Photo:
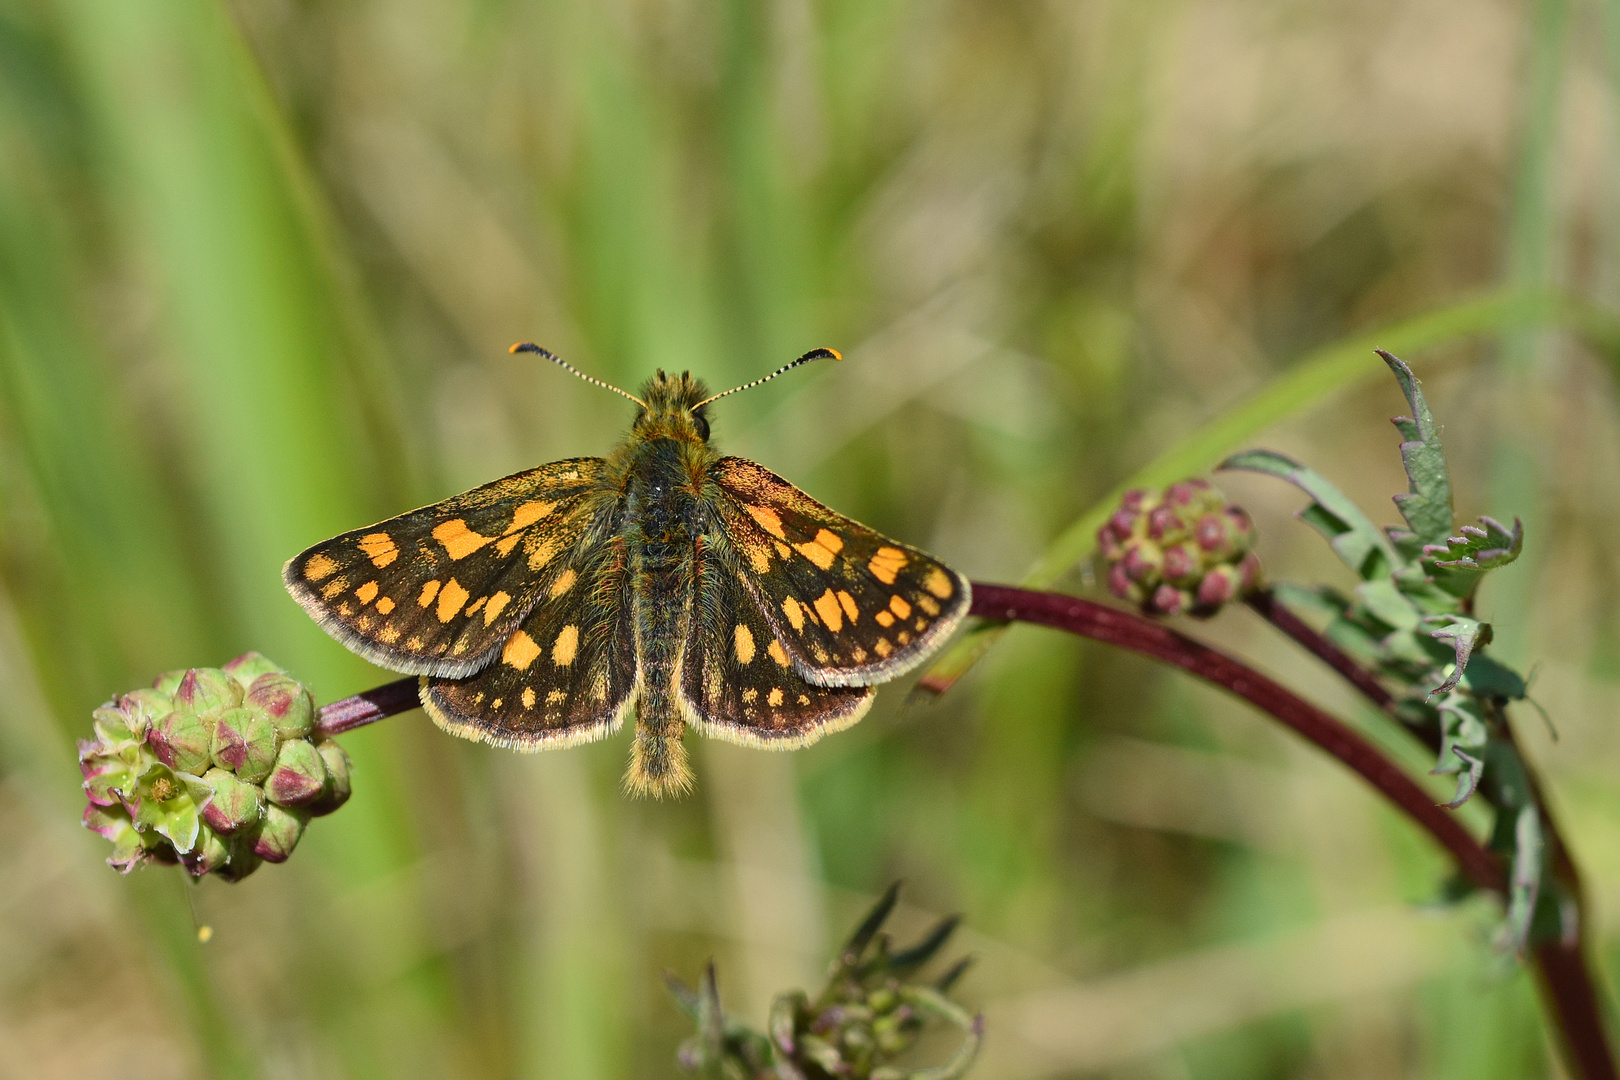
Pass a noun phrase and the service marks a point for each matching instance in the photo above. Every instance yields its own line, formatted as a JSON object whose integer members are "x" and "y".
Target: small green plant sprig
{"x": 217, "y": 769}
{"x": 1410, "y": 620}
{"x": 871, "y": 1010}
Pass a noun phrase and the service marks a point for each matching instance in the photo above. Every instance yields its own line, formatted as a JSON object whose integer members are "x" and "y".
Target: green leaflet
{"x": 1355, "y": 539}
{"x": 1465, "y": 635}
{"x": 1427, "y": 507}
{"x": 1480, "y": 547}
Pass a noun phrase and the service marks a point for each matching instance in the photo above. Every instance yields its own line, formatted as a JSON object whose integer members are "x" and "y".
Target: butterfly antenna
{"x": 813, "y": 354}
{"x": 529, "y": 346}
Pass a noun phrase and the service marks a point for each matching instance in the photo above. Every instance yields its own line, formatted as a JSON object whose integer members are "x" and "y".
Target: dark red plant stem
{"x": 1131, "y": 631}
{"x": 1267, "y": 606}
{"x": 1571, "y": 996}
{"x": 376, "y": 704}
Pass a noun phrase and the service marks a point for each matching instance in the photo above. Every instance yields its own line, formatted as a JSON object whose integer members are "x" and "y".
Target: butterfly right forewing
{"x": 850, "y": 606}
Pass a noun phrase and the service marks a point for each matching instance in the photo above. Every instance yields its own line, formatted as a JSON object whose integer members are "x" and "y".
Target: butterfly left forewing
{"x": 437, "y": 591}
{"x": 849, "y": 606}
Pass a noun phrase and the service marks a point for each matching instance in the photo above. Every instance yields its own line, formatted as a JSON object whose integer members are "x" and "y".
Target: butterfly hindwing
{"x": 849, "y": 606}
{"x": 439, "y": 590}
{"x": 565, "y": 675}
{"x": 737, "y": 682}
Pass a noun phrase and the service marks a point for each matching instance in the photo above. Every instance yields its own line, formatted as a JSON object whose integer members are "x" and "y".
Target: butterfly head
{"x": 673, "y": 408}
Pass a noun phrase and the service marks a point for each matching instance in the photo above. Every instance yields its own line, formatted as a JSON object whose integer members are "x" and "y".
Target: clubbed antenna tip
{"x": 813, "y": 354}
{"x": 531, "y": 347}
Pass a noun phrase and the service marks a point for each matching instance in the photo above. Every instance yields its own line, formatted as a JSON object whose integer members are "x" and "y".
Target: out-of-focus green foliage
{"x": 259, "y": 264}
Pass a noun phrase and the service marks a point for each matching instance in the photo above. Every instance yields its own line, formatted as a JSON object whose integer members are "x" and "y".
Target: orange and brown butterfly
{"x": 699, "y": 590}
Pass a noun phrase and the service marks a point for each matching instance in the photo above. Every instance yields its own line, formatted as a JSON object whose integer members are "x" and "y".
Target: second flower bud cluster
{"x": 1185, "y": 550}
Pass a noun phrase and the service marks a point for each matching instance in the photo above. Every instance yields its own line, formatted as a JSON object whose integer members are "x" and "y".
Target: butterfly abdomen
{"x": 662, "y": 503}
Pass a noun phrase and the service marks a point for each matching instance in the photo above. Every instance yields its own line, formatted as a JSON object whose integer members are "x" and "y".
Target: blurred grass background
{"x": 259, "y": 263}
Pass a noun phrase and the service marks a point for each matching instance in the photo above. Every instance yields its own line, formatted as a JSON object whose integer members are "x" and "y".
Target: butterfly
{"x": 699, "y": 590}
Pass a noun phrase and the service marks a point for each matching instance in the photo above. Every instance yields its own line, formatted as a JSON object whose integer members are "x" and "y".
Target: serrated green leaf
{"x": 1353, "y": 536}
{"x": 1427, "y": 507}
{"x": 1479, "y": 547}
{"x": 1464, "y": 635}
{"x": 1464, "y": 741}
{"x": 1467, "y": 777}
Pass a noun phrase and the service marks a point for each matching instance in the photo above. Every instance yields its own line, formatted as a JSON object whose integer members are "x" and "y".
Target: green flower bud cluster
{"x": 1185, "y": 550}
{"x": 871, "y": 1011}
{"x": 217, "y": 769}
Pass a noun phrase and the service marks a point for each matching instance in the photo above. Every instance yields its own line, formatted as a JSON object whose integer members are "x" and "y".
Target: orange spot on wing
{"x": 472, "y": 608}
{"x": 886, "y": 563}
{"x": 528, "y": 697}
{"x": 388, "y": 635}
{"x": 882, "y": 647}
{"x": 939, "y": 583}
{"x": 334, "y": 588}
{"x": 367, "y": 592}
{"x": 520, "y": 651}
{"x": 774, "y": 698}
{"x": 458, "y": 540}
{"x": 827, "y": 607}
{"x": 385, "y": 605}
{"x": 744, "y": 640}
{"x": 884, "y": 618}
{"x": 451, "y": 597}
{"x": 794, "y": 613}
{"x": 541, "y": 553}
{"x": 506, "y": 543}
{"x": 774, "y": 650}
{"x": 822, "y": 550}
{"x": 899, "y": 606}
{"x": 564, "y": 582}
{"x": 496, "y": 605}
{"x": 566, "y": 646}
{"x": 429, "y": 591}
{"x": 528, "y": 514}
{"x": 768, "y": 520}
{"x": 927, "y": 604}
{"x": 379, "y": 548}
{"x": 319, "y": 567}
{"x": 759, "y": 557}
{"x": 847, "y": 602}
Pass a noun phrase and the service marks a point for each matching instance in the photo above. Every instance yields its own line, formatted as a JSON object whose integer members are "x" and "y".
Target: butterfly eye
{"x": 702, "y": 425}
